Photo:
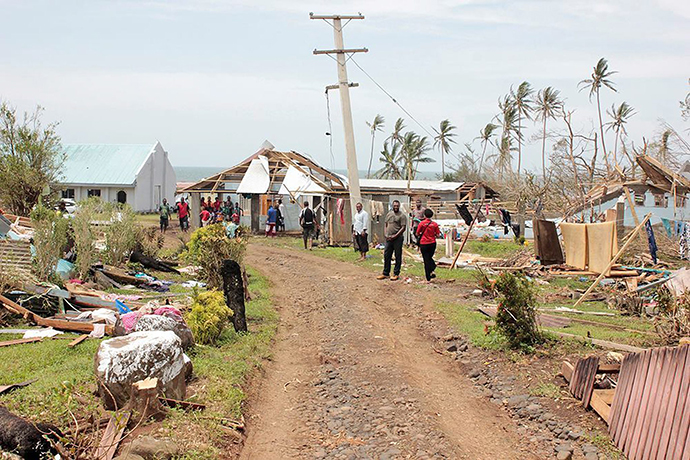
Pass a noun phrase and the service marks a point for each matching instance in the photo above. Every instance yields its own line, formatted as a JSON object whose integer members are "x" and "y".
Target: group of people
{"x": 275, "y": 219}
{"x": 424, "y": 234}
{"x": 218, "y": 211}
{"x": 275, "y": 222}
{"x": 210, "y": 212}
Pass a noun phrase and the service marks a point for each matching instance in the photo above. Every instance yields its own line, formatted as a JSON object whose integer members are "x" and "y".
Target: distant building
{"x": 137, "y": 174}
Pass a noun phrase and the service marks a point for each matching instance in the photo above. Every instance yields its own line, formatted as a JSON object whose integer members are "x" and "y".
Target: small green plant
{"x": 516, "y": 319}
{"x": 209, "y": 247}
{"x": 208, "y": 317}
{"x": 50, "y": 239}
{"x": 84, "y": 234}
{"x": 121, "y": 234}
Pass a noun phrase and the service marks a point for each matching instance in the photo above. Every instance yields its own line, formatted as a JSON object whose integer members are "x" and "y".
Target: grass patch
{"x": 547, "y": 390}
{"x": 493, "y": 248}
{"x": 467, "y": 321}
{"x": 64, "y": 378}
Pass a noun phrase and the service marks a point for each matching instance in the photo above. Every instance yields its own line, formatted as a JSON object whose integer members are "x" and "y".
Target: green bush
{"x": 517, "y": 317}
{"x": 50, "y": 239}
{"x": 84, "y": 234}
{"x": 209, "y": 247}
{"x": 121, "y": 234}
{"x": 208, "y": 317}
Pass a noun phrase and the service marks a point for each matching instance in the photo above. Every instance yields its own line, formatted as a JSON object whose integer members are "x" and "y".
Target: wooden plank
{"x": 601, "y": 343}
{"x": 600, "y": 406}
{"x": 681, "y": 422}
{"x": 669, "y": 399}
{"x": 675, "y": 404}
{"x": 112, "y": 436}
{"x": 8, "y": 388}
{"x": 186, "y": 405}
{"x": 78, "y": 340}
{"x": 567, "y": 370}
{"x": 609, "y": 368}
{"x": 621, "y": 398}
{"x": 606, "y": 395}
{"x": 644, "y": 378}
{"x": 588, "y": 381}
{"x": 639, "y": 381}
{"x": 651, "y": 401}
{"x": 8, "y": 343}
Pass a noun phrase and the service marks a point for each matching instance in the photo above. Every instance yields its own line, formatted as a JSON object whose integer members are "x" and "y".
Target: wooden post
{"x": 449, "y": 244}
{"x": 631, "y": 203}
{"x": 467, "y": 235}
{"x": 620, "y": 220}
{"x": 255, "y": 210}
{"x": 233, "y": 288}
{"x": 194, "y": 218}
{"x": 613, "y": 260}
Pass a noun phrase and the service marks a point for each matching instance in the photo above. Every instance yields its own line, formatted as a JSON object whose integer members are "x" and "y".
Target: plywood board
{"x": 601, "y": 245}
{"x": 575, "y": 244}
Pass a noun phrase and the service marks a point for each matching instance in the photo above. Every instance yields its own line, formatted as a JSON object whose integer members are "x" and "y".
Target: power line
{"x": 389, "y": 95}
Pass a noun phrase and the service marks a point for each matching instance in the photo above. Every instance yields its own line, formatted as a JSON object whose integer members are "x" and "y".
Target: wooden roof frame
{"x": 278, "y": 163}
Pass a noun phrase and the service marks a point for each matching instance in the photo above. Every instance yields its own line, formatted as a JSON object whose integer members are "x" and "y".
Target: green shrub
{"x": 50, "y": 239}
{"x": 208, "y": 317}
{"x": 121, "y": 234}
{"x": 517, "y": 317}
{"x": 209, "y": 247}
{"x": 84, "y": 234}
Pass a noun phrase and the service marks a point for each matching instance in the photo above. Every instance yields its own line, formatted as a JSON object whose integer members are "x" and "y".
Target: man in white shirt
{"x": 359, "y": 232}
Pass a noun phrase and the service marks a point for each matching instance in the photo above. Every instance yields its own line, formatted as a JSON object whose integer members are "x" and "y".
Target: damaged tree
{"x": 233, "y": 288}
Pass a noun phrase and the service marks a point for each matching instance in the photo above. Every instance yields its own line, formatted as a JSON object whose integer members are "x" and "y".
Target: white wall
{"x": 156, "y": 171}
{"x": 108, "y": 193}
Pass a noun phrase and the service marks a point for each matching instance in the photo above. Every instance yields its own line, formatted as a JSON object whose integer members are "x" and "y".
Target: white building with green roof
{"x": 138, "y": 174}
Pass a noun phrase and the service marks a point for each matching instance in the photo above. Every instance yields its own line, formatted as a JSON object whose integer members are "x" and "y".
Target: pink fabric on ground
{"x": 169, "y": 311}
{"x": 129, "y": 321}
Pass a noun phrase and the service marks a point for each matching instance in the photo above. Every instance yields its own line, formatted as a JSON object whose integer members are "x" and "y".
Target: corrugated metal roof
{"x": 395, "y": 184}
{"x": 104, "y": 164}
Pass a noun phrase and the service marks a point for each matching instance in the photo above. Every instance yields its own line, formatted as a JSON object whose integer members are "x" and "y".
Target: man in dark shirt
{"x": 396, "y": 222}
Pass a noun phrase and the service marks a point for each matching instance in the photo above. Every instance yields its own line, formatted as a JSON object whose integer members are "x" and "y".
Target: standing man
{"x": 271, "y": 220}
{"x": 281, "y": 216}
{"x": 183, "y": 214}
{"x": 395, "y": 225}
{"x": 306, "y": 220}
{"x": 417, "y": 215}
{"x": 164, "y": 212}
{"x": 359, "y": 232}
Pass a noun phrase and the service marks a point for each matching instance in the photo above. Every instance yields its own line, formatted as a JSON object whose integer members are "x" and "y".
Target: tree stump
{"x": 144, "y": 402}
{"x": 233, "y": 288}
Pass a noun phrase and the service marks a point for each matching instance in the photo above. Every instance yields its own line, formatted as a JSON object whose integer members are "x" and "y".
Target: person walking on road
{"x": 359, "y": 232}
{"x": 183, "y": 214}
{"x": 427, "y": 232}
{"x": 395, "y": 225}
{"x": 164, "y": 211}
{"x": 281, "y": 216}
{"x": 306, "y": 220}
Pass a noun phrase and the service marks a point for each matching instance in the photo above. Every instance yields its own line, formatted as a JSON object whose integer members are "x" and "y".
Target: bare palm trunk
{"x": 371, "y": 155}
{"x": 443, "y": 163}
{"x": 603, "y": 144}
{"x": 615, "y": 149}
{"x": 571, "y": 153}
{"x": 519, "y": 165}
{"x": 543, "y": 152}
{"x": 481, "y": 161}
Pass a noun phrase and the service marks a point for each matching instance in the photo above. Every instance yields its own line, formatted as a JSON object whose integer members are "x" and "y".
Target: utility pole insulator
{"x": 344, "y": 86}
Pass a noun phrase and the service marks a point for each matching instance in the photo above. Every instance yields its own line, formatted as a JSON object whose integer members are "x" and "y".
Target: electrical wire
{"x": 389, "y": 95}
{"x": 330, "y": 129}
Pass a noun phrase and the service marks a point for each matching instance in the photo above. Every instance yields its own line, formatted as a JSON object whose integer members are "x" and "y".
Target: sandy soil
{"x": 353, "y": 377}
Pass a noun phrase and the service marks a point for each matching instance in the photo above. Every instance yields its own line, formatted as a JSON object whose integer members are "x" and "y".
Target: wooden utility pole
{"x": 336, "y": 21}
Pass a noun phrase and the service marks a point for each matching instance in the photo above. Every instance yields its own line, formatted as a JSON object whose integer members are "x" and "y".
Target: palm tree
{"x": 619, "y": 117}
{"x": 523, "y": 102}
{"x": 509, "y": 123}
{"x": 376, "y": 125}
{"x": 397, "y": 136}
{"x": 442, "y": 140}
{"x": 600, "y": 77}
{"x": 548, "y": 105}
{"x": 414, "y": 151}
{"x": 485, "y": 136}
{"x": 391, "y": 162}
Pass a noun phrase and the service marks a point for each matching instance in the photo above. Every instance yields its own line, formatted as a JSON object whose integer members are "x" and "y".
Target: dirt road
{"x": 352, "y": 377}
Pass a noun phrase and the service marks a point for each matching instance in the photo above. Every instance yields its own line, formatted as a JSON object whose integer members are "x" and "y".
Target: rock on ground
{"x": 121, "y": 361}
{"x": 163, "y": 323}
{"x": 150, "y": 448}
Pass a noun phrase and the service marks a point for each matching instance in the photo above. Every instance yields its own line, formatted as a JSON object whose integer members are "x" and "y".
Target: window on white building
{"x": 94, "y": 192}
{"x": 68, "y": 193}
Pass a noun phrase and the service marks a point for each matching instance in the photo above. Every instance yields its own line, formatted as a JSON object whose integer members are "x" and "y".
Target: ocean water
{"x": 196, "y": 173}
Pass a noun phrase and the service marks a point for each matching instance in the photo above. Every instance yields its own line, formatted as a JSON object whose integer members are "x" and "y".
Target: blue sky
{"x": 212, "y": 79}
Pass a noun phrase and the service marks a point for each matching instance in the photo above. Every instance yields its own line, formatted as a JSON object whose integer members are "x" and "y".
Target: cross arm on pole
{"x": 335, "y": 16}
{"x": 342, "y": 51}
{"x": 351, "y": 85}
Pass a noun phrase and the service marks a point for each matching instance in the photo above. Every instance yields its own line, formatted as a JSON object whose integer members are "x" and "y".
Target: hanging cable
{"x": 330, "y": 129}
{"x": 389, "y": 95}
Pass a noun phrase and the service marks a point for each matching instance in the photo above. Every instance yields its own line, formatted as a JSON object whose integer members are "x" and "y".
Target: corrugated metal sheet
{"x": 104, "y": 164}
{"x": 395, "y": 184}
